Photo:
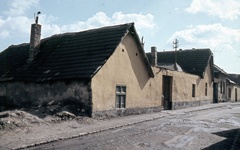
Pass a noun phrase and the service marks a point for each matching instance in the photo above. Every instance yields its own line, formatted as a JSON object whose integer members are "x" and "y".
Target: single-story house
{"x": 233, "y": 87}
{"x": 186, "y": 76}
{"x": 104, "y": 70}
{"x": 220, "y": 84}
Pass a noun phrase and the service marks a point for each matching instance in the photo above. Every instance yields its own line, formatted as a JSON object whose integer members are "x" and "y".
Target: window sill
{"x": 120, "y": 108}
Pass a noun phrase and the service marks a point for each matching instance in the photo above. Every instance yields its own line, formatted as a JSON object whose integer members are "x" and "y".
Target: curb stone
{"x": 110, "y": 128}
{"x": 83, "y": 134}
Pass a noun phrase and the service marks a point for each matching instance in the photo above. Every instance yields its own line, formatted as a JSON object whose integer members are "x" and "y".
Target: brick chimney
{"x": 35, "y": 39}
{"x": 154, "y": 56}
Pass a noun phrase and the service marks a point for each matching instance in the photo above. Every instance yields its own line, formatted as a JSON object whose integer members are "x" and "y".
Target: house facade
{"x": 220, "y": 85}
{"x": 97, "y": 72}
{"x": 186, "y": 77}
{"x": 233, "y": 88}
{"x": 105, "y": 72}
{"x": 129, "y": 86}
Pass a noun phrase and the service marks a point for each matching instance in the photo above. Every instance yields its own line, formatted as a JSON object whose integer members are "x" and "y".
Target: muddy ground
{"x": 203, "y": 127}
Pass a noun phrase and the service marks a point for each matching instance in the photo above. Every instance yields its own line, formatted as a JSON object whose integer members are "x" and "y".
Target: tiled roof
{"x": 193, "y": 61}
{"x": 235, "y": 78}
{"x": 218, "y": 70}
{"x": 64, "y": 56}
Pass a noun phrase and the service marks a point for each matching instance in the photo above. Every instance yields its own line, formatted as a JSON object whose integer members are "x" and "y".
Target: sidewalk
{"x": 70, "y": 129}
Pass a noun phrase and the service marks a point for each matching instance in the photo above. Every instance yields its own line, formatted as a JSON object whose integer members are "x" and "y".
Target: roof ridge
{"x": 94, "y": 47}
{"x": 86, "y": 30}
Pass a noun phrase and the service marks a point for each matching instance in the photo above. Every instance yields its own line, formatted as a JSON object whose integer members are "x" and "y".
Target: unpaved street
{"x": 217, "y": 128}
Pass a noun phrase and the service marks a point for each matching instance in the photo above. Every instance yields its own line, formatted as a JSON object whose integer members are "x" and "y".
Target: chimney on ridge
{"x": 154, "y": 56}
{"x": 35, "y": 39}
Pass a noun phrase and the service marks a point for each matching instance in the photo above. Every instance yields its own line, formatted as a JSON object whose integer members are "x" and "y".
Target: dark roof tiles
{"x": 193, "y": 61}
{"x": 63, "y": 56}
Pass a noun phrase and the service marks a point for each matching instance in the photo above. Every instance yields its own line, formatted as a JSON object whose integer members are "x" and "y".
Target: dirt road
{"x": 217, "y": 128}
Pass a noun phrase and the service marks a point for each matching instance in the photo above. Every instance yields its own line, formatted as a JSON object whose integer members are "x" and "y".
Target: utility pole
{"x": 175, "y": 46}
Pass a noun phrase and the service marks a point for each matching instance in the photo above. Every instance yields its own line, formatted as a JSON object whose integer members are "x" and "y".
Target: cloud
{"x": 141, "y": 21}
{"x": 99, "y": 19}
{"x": 214, "y": 36}
{"x": 223, "y": 41}
{"x": 19, "y": 7}
{"x": 4, "y": 34}
{"x": 223, "y": 9}
{"x": 14, "y": 27}
{"x": 16, "y": 24}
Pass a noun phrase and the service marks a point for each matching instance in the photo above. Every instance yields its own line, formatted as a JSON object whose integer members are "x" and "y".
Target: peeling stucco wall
{"x": 182, "y": 87}
{"x": 125, "y": 67}
{"x": 234, "y": 92}
{"x": 222, "y": 87}
{"x": 36, "y": 94}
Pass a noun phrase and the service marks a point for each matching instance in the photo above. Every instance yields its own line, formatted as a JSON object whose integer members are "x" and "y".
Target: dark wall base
{"x": 125, "y": 112}
{"x": 186, "y": 104}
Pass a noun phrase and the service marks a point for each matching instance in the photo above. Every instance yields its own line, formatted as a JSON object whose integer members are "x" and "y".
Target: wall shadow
{"x": 137, "y": 60}
{"x": 232, "y": 141}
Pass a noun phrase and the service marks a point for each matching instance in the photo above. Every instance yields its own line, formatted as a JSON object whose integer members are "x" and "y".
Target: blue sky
{"x": 213, "y": 24}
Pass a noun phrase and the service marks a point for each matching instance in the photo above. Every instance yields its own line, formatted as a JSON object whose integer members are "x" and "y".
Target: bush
{"x": 76, "y": 106}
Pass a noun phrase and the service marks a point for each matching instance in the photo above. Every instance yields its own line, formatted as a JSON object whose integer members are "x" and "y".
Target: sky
{"x": 213, "y": 24}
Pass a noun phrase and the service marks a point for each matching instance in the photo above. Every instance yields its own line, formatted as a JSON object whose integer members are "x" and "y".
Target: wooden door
{"x": 235, "y": 94}
{"x": 167, "y": 92}
{"x": 215, "y": 93}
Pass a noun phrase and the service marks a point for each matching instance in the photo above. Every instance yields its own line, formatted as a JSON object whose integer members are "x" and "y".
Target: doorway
{"x": 235, "y": 94}
{"x": 167, "y": 92}
{"x": 215, "y": 92}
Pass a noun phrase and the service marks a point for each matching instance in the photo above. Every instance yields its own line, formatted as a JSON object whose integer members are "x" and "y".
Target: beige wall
{"x": 222, "y": 95}
{"x": 125, "y": 67}
{"x": 182, "y": 85}
{"x": 232, "y": 90}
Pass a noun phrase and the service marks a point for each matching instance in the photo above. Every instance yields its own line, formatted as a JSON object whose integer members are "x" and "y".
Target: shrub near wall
{"x": 25, "y": 95}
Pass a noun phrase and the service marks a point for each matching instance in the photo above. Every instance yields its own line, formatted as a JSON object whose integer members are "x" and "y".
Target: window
{"x": 229, "y": 93}
{"x": 193, "y": 90}
{"x": 120, "y": 96}
{"x": 205, "y": 89}
{"x": 223, "y": 87}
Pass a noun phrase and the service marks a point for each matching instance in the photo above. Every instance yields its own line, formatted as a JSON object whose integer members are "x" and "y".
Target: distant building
{"x": 186, "y": 76}
{"x": 233, "y": 87}
{"x": 220, "y": 84}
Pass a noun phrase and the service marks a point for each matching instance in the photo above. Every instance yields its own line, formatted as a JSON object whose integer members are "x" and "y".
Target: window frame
{"x": 120, "y": 100}
{"x": 221, "y": 87}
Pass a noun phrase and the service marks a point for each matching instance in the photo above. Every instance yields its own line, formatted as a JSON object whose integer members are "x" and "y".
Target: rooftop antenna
{"x": 36, "y": 17}
{"x": 175, "y": 46}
